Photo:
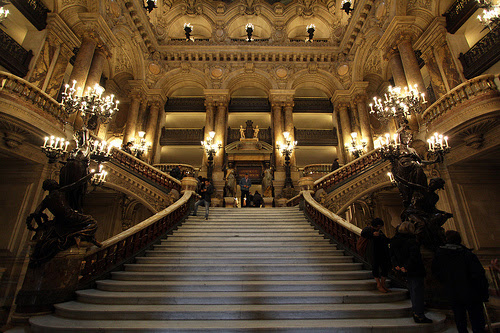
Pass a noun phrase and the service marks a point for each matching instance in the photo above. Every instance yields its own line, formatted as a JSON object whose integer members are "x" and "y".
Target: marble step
{"x": 231, "y": 286}
{"x": 243, "y": 268}
{"x": 244, "y": 297}
{"x": 238, "y": 276}
{"x": 249, "y": 246}
{"x": 241, "y": 254}
{"x": 170, "y": 260}
{"x": 208, "y": 230}
{"x": 88, "y": 311}
{"x": 241, "y": 239}
{"x": 53, "y": 324}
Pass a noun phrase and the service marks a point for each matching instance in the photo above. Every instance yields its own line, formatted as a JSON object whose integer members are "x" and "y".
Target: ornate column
{"x": 289, "y": 127}
{"x": 133, "y": 112}
{"x": 364, "y": 120}
{"x": 345, "y": 124}
{"x": 437, "y": 82}
{"x": 277, "y": 123}
{"x": 340, "y": 144}
{"x": 95, "y": 71}
{"x": 396, "y": 65}
{"x": 82, "y": 63}
{"x": 445, "y": 60}
{"x": 410, "y": 64}
{"x": 141, "y": 126}
{"x": 152, "y": 131}
{"x": 209, "y": 126}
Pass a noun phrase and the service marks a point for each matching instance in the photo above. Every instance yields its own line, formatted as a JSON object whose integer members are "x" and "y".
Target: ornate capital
{"x": 217, "y": 96}
{"x": 281, "y": 96}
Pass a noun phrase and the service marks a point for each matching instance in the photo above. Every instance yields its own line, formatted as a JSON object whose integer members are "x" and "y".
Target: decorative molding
{"x": 181, "y": 136}
{"x": 307, "y": 137}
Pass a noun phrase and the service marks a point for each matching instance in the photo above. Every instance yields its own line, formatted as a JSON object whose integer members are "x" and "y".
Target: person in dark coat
{"x": 406, "y": 258}
{"x": 206, "y": 190}
{"x": 465, "y": 281}
{"x": 245, "y": 184}
{"x": 176, "y": 172}
{"x": 377, "y": 252}
{"x": 335, "y": 165}
{"x": 257, "y": 200}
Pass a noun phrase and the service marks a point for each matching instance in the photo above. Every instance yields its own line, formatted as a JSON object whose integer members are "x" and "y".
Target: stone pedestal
{"x": 230, "y": 202}
{"x": 281, "y": 202}
{"x": 268, "y": 201}
{"x": 53, "y": 282}
{"x": 188, "y": 184}
{"x": 216, "y": 202}
{"x": 306, "y": 183}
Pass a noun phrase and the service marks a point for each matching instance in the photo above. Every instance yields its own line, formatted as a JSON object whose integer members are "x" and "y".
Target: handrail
{"x": 316, "y": 168}
{"x": 167, "y": 167}
{"x": 124, "y": 246}
{"x": 295, "y": 201}
{"x": 158, "y": 177}
{"x": 348, "y": 170}
{"x": 343, "y": 232}
{"x": 460, "y": 94}
{"x": 33, "y": 94}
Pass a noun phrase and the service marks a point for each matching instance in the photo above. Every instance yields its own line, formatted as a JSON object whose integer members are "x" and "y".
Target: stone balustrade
{"x": 463, "y": 94}
{"x": 189, "y": 170}
{"x": 19, "y": 88}
{"x": 314, "y": 169}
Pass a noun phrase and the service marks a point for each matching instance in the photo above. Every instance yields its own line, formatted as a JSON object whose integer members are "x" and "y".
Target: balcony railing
{"x": 13, "y": 56}
{"x": 25, "y": 90}
{"x": 189, "y": 170}
{"x": 484, "y": 54}
{"x": 458, "y": 13}
{"x": 34, "y": 10}
{"x": 461, "y": 94}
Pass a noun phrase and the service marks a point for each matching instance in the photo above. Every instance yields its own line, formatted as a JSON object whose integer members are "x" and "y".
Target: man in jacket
{"x": 206, "y": 190}
{"x": 465, "y": 281}
{"x": 245, "y": 184}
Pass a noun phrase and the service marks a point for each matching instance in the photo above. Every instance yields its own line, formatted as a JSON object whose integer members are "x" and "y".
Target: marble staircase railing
{"x": 17, "y": 87}
{"x": 129, "y": 243}
{"x": 465, "y": 94}
{"x": 190, "y": 171}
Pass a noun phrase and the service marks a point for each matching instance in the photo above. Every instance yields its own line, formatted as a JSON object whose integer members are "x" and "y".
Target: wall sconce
{"x": 149, "y": 5}
{"x": 188, "y": 29}
{"x": 346, "y": 6}
{"x": 311, "y": 28}
{"x": 355, "y": 148}
{"x": 249, "y": 30}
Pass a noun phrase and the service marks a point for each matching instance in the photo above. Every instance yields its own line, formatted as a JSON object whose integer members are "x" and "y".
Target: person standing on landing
{"x": 377, "y": 252}
{"x": 206, "y": 190}
{"x": 245, "y": 184}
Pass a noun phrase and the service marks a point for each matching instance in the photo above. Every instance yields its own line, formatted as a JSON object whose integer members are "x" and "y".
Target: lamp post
{"x": 211, "y": 149}
{"x": 355, "y": 148}
{"x": 287, "y": 149}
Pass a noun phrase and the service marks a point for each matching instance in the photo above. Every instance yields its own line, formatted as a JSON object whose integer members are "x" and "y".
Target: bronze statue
{"x": 68, "y": 227}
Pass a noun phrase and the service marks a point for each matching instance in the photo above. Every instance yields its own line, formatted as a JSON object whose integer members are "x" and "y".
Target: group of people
{"x": 247, "y": 199}
{"x": 455, "y": 265}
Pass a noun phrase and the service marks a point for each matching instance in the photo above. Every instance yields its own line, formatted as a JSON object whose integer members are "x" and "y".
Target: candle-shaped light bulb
{"x": 45, "y": 142}
{"x": 66, "y": 147}
{"x": 446, "y": 142}
{"x": 74, "y": 84}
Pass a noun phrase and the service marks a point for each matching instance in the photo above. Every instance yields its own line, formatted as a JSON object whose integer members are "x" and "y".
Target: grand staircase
{"x": 248, "y": 270}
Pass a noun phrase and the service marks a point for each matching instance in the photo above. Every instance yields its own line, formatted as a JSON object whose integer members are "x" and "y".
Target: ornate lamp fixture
{"x": 346, "y": 6}
{"x": 355, "y": 148}
{"x": 398, "y": 103}
{"x": 249, "y": 29}
{"x": 55, "y": 148}
{"x": 491, "y": 13}
{"x": 211, "y": 149}
{"x": 142, "y": 146}
{"x": 287, "y": 150}
{"x": 93, "y": 106}
{"x": 188, "y": 29}
{"x": 99, "y": 177}
{"x": 311, "y": 28}
{"x": 149, "y": 5}
{"x": 3, "y": 14}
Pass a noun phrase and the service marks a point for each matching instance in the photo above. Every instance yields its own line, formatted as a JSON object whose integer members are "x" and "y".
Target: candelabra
{"x": 141, "y": 147}
{"x": 398, "y": 103}
{"x": 491, "y": 13}
{"x": 211, "y": 149}
{"x": 188, "y": 29}
{"x": 99, "y": 177}
{"x": 355, "y": 148}
{"x": 93, "y": 107}
{"x": 287, "y": 149}
{"x": 346, "y": 6}
{"x": 99, "y": 151}
{"x": 55, "y": 148}
{"x": 149, "y": 5}
{"x": 249, "y": 30}
{"x": 3, "y": 14}
{"x": 311, "y": 28}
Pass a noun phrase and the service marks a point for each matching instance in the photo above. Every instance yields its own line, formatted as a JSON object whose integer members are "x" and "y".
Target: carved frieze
{"x": 181, "y": 136}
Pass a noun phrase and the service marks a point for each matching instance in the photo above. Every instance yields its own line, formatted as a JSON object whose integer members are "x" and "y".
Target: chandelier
{"x": 287, "y": 148}
{"x": 346, "y": 6}
{"x": 311, "y": 28}
{"x": 3, "y": 14}
{"x": 141, "y": 147}
{"x": 99, "y": 177}
{"x": 491, "y": 13}
{"x": 93, "y": 107}
{"x": 149, "y": 5}
{"x": 249, "y": 30}
{"x": 355, "y": 148}
{"x": 398, "y": 103}
{"x": 188, "y": 29}
{"x": 55, "y": 148}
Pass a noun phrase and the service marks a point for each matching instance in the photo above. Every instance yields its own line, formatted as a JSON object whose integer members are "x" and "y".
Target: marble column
{"x": 209, "y": 126}
{"x": 396, "y": 65}
{"x": 95, "y": 71}
{"x": 437, "y": 82}
{"x": 82, "y": 64}
{"x": 54, "y": 82}
{"x": 133, "y": 112}
{"x": 340, "y": 143}
{"x": 220, "y": 128}
{"x": 152, "y": 132}
{"x": 410, "y": 65}
{"x": 277, "y": 123}
{"x": 364, "y": 121}
{"x": 141, "y": 116}
{"x": 345, "y": 124}
{"x": 162, "y": 121}
{"x": 445, "y": 60}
